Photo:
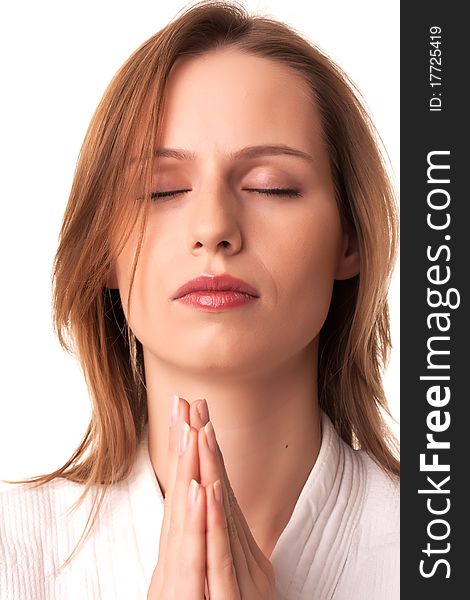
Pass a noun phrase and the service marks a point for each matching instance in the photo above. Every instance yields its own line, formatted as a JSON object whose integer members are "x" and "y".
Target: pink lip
{"x": 216, "y": 301}
{"x": 223, "y": 286}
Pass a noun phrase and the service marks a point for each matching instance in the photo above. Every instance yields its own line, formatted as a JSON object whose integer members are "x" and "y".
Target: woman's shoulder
{"x": 23, "y": 498}
{"x": 375, "y": 548}
{"x": 30, "y": 514}
{"x": 380, "y": 516}
{"x": 373, "y": 566}
{"x": 378, "y": 523}
{"x": 41, "y": 526}
{"x": 376, "y": 491}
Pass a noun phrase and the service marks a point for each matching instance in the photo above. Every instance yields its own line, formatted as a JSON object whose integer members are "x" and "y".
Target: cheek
{"x": 304, "y": 267}
{"x": 307, "y": 250}
{"x": 141, "y": 282}
{"x": 152, "y": 287}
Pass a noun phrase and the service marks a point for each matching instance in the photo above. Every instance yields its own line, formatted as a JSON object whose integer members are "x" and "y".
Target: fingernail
{"x": 174, "y": 408}
{"x": 210, "y": 436}
{"x": 184, "y": 437}
{"x": 218, "y": 491}
{"x": 203, "y": 411}
{"x": 192, "y": 492}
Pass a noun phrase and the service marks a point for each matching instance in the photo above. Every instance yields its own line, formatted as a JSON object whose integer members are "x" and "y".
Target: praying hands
{"x": 206, "y": 547}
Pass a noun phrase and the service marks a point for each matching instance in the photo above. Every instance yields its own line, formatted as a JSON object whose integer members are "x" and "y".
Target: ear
{"x": 348, "y": 263}
{"x": 111, "y": 279}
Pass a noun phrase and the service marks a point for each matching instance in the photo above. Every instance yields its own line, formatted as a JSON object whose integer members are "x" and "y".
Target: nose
{"x": 214, "y": 222}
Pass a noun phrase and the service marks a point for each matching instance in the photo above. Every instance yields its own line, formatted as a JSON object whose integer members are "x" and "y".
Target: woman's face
{"x": 290, "y": 248}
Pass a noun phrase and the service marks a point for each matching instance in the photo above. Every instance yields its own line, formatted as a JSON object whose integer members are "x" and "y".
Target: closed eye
{"x": 276, "y": 191}
{"x": 268, "y": 192}
{"x": 155, "y": 195}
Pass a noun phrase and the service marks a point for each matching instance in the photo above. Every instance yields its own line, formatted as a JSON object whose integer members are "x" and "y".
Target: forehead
{"x": 227, "y": 99}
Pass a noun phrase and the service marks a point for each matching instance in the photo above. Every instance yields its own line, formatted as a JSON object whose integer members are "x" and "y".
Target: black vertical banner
{"x": 435, "y": 259}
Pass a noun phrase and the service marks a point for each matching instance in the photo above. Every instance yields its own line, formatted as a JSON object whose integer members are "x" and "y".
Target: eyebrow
{"x": 247, "y": 152}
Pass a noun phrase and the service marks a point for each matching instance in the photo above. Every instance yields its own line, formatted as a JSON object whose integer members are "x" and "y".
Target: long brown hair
{"x": 104, "y": 207}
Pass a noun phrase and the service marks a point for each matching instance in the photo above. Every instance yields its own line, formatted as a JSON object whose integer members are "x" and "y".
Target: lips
{"x": 216, "y": 283}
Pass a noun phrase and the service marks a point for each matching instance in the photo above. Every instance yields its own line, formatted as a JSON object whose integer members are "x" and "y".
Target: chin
{"x": 213, "y": 361}
{"x": 218, "y": 362}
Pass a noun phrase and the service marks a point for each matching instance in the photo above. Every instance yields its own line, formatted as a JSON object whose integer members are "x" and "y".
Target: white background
{"x": 56, "y": 60}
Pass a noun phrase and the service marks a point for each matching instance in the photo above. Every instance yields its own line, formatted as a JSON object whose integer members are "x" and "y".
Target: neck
{"x": 268, "y": 430}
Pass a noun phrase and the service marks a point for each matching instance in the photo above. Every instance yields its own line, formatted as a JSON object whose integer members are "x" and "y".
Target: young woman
{"x": 229, "y": 236}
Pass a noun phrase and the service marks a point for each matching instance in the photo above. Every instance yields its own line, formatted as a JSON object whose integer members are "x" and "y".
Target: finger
{"x": 198, "y": 417}
{"x": 176, "y": 414}
{"x": 181, "y": 410}
{"x": 190, "y": 562}
{"x": 259, "y": 565}
{"x": 249, "y": 558}
{"x": 198, "y": 414}
{"x": 186, "y": 470}
{"x": 210, "y": 469}
{"x": 242, "y": 525}
{"x": 255, "y": 570}
{"x": 209, "y": 464}
{"x": 222, "y": 575}
{"x": 247, "y": 540}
